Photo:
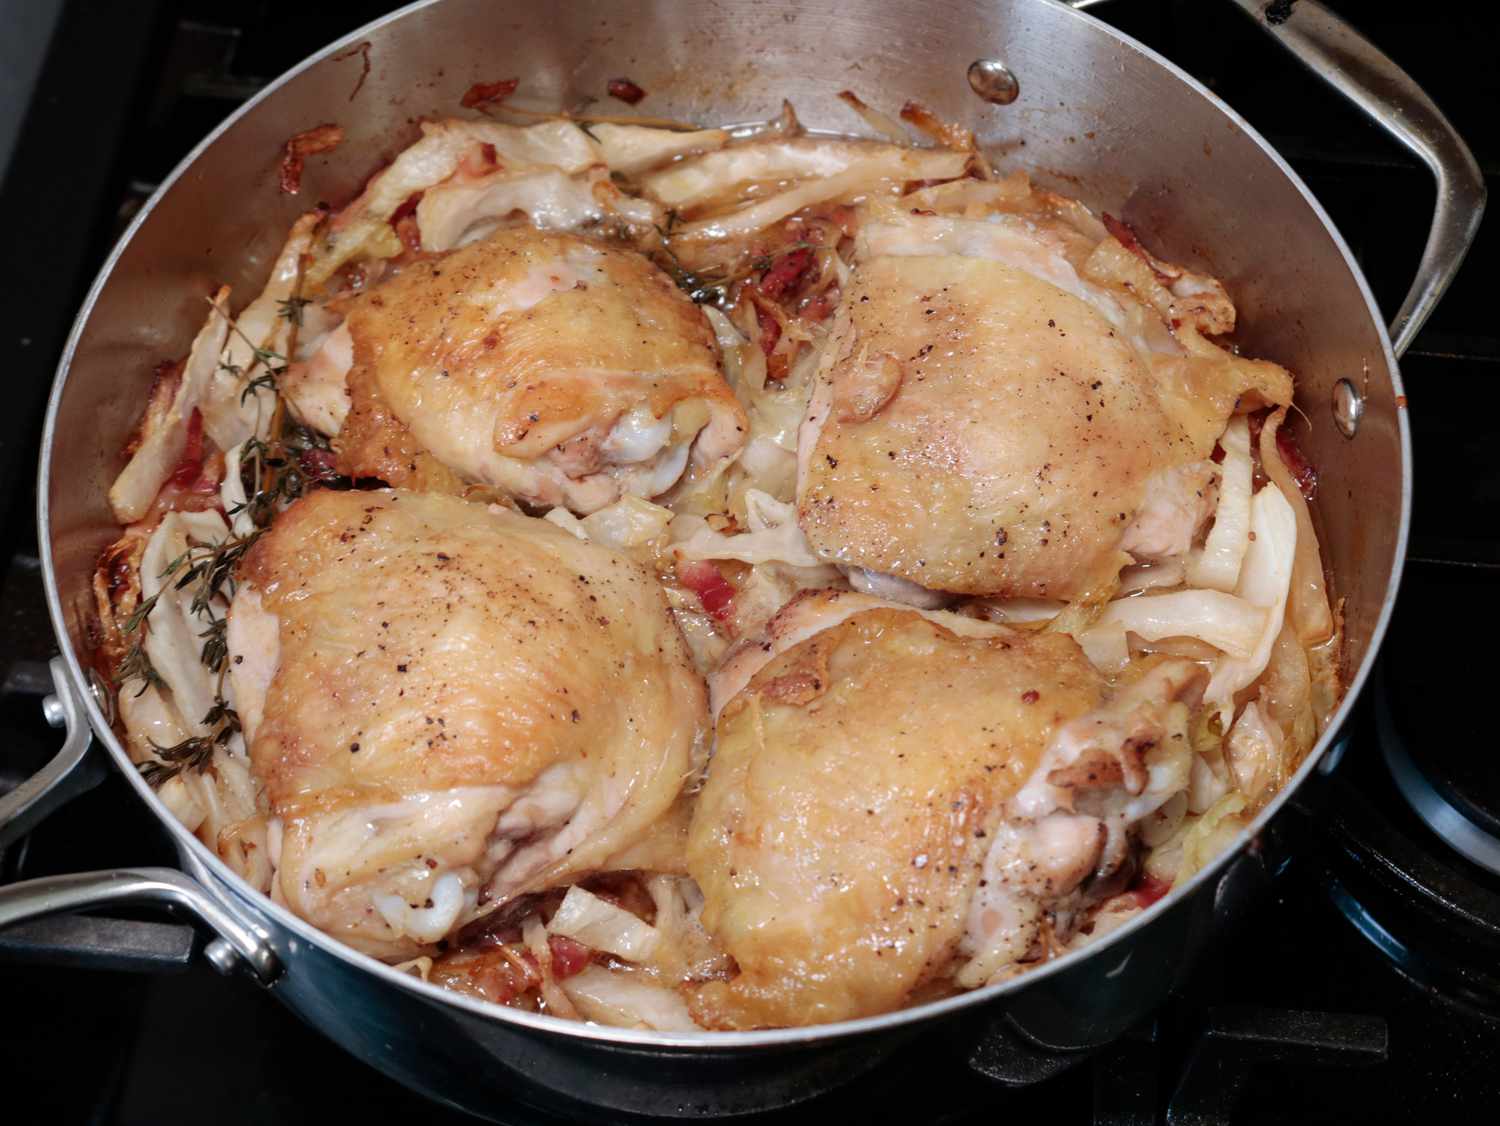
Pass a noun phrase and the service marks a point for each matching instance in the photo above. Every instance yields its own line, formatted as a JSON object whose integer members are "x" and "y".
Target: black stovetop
{"x": 1360, "y": 987}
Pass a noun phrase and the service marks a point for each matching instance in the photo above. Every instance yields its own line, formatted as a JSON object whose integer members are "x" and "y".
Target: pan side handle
{"x": 236, "y": 942}
{"x": 73, "y": 771}
{"x": 1391, "y": 98}
{"x": 1388, "y": 96}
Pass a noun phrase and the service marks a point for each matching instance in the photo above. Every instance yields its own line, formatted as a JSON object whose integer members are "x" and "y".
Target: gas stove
{"x": 1360, "y": 985}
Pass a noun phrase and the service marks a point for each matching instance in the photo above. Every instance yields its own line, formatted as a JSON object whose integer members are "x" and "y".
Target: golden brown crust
{"x": 1001, "y": 399}
{"x": 519, "y": 342}
{"x": 453, "y": 646}
{"x": 855, "y": 786}
{"x": 374, "y": 443}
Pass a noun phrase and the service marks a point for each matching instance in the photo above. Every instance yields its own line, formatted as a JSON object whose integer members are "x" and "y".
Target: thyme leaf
{"x": 291, "y": 308}
{"x": 137, "y": 664}
{"x": 195, "y": 753}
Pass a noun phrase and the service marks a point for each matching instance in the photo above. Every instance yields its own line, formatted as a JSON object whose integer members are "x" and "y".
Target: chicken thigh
{"x": 450, "y": 706}
{"x": 1003, "y": 392}
{"x": 856, "y": 836}
{"x": 558, "y": 370}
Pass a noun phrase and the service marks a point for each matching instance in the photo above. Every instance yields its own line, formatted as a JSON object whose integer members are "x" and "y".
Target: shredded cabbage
{"x": 1021, "y": 609}
{"x": 695, "y": 182}
{"x": 1253, "y": 753}
{"x": 233, "y": 410}
{"x": 363, "y": 228}
{"x": 1106, "y": 647}
{"x": 627, "y": 1001}
{"x": 1208, "y": 835}
{"x": 1265, "y": 582}
{"x": 534, "y": 935}
{"x": 893, "y": 588}
{"x": 724, "y": 331}
{"x": 173, "y": 638}
{"x": 1286, "y": 694}
{"x": 1310, "y": 611}
{"x": 862, "y": 179}
{"x": 774, "y": 536}
{"x": 629, "y": 522}
{"x": 1148, "y": 576}
{"x": 165, "y": 438}
{"x": 635, "y": 148}
{"x": 599, "y": 924}
{"x": 566, "y": 521}
{"x": 232, "y": 492}
{"x": 1217, "y": 564}
{"x": 1225, "y": 621}
{"x": 881, "y": 123}
{"x": 456, "y": 213}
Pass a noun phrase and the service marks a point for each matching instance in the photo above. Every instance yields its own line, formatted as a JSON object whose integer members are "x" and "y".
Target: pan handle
{"x": 1389, "y": 97}
{"x": 237, "y": 943}
{"x": 72, "y": 771}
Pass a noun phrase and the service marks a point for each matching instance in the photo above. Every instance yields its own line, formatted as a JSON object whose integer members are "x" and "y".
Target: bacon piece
{"x": 714, "y": 591}
{"x": 404, "y": 222}
{"x": 191, "y": 465}
{"x": 1302, "y": 470}
{"x": 1149, "y": 890}
{"x": 318, "y": 139}
{"x": 318, "y": 465}
{"x": 626, "y": 90}
{"x": 785, "y": 273}
{"x": 488, "y": 93}
{"x": 770, "y": 330}
{"x": 499, "y": 973}
{"x": 569, "y": 956}
{"x": 818, "y": 308}
{"x": 1125, "y": 235}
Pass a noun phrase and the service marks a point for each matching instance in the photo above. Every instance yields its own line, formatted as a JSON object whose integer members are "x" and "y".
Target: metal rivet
{"x": 221, "y": 956}
{"x": 992, "y": 80}
{"x": 102, "y": 696}
{"x": 53, "y": 712}
{"x": 1348, "y": 408}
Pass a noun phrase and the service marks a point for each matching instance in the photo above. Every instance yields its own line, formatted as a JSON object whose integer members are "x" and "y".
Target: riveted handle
{"x": 1391, "y": 98}
{"x": 1364, "y": 74}
{"x": 236, "y": 942}
{"x": 71, "y": 771}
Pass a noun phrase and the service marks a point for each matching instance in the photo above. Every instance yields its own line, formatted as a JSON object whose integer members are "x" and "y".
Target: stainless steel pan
{"x": 1101, "y": 117}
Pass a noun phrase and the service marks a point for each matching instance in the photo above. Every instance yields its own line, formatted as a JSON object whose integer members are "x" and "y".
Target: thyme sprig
{"x": 136, "y": 665}
{"x": 195, "y": 752}
{"x": 290, "y": 308}
{"x": 208, "y": 571}
{"x": 277, "y": 472}
{"x": 272, "y": 470}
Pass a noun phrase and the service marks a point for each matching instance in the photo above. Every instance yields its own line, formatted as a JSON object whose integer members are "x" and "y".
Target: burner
{"x": 1411, "y": 895}
{"x": 1453, "y": 790}
{"x": 1423, "y": 709}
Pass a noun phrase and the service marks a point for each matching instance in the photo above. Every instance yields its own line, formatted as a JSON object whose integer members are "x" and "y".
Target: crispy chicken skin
{"x": 855, "y": 788}
{"x": 449, "y": 706}
{"x": 1001, "y": 395}
{"x": 554, "y": 368}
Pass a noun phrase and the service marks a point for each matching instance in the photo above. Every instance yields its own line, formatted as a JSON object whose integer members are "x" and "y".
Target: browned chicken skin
{"x": 855, "y": 787}
{"x": 450, "y": 706}
{"x": 554, "y": 368}
{"x": 1000, "y": 398}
